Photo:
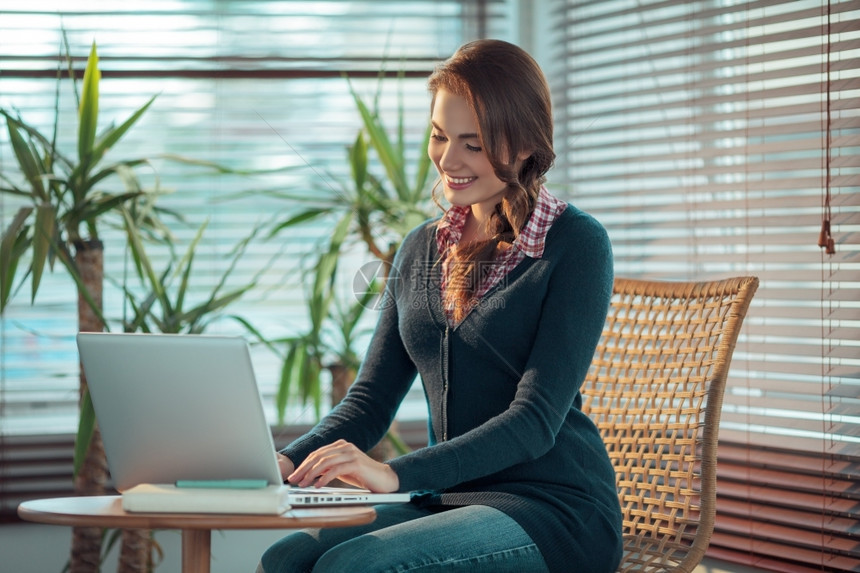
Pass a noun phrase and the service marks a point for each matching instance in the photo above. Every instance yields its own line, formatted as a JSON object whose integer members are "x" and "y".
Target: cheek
{"x": 434, "y": 153}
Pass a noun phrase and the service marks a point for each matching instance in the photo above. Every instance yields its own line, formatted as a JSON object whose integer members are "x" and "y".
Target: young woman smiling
{"x": 498, "y": 306}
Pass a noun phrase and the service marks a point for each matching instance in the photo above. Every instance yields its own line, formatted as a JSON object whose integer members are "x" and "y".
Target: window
{"x": 713, "y": 138}
{"x": 251, "y": 85}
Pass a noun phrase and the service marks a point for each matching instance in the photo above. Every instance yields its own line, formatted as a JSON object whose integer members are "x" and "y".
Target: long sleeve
{"x": 384, "y": 378}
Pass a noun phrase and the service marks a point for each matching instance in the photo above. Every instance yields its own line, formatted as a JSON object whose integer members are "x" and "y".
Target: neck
{"x": 475, "y": 228}
{"x": 480, "y": 216}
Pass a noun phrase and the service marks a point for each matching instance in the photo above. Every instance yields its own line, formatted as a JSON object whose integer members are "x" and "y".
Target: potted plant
{"x": 373, "y": 211}
{"x": 64, "y": 198}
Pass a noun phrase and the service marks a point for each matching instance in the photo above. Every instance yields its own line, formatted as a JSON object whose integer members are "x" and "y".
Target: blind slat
{"x": 705, "y": 136}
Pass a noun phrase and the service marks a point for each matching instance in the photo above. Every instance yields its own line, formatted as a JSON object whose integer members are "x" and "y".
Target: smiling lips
{"x": 459, "y": 182}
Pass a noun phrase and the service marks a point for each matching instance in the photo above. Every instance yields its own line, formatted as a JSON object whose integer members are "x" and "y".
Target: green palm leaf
{"x": 15, "y": 242}
{"x": 112, "y": 136}
{"x": 287, "y": 375}
{"x": 387, "y": 153}
{"x": 89, "y": 109}
{"x": 86, "y": 428}
{"x": 43, "y": 237}
{"x": 185, "y": 264}
{"x": 27, "y": 160}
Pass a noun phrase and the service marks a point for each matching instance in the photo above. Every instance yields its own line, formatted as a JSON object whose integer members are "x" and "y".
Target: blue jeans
{"x": 405, "y": 537}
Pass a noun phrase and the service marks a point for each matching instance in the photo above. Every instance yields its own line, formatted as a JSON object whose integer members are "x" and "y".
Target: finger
{"x": 316, "y": 463}
{"x": 347, "y": 463}
{"x": 310, "y": 470}
{"x": 327, "y": 468}
{"x": 306, "y": 467}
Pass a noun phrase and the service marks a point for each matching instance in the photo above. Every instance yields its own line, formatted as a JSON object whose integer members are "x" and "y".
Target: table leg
{"x": 196, "y": 550}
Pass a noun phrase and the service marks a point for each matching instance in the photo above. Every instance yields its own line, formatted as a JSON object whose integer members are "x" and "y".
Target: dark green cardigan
{"x": 502, "y": 389}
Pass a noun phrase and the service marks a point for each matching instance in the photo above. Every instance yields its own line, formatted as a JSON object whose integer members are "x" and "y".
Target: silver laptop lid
{"x": 177, "y": 407}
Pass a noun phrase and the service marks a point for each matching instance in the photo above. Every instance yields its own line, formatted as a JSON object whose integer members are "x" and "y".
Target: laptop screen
{"x": 177, "y": 407}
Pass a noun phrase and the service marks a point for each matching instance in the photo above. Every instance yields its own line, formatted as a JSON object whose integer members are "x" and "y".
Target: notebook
{"x": 184, "y": 428}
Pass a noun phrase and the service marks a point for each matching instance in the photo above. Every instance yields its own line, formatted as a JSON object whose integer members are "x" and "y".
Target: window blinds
{"x": 716, "y": 138}
{"x": 254, "y": 85}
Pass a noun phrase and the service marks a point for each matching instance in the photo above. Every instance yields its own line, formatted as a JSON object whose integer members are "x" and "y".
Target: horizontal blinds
{"x": 39, "y": 466}
{"x": 253, "y": 85}
{"x": 712, "y": 138}
{"x": 806, "y": 508}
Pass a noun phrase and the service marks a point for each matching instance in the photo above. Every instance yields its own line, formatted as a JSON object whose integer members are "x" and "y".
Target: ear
{"x": 523, "y": 155}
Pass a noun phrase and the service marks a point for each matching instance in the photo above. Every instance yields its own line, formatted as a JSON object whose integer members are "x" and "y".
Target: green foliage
{"x": 376, "y": 211}
{"x": 164, "y": 306}
{"x": 306, "y": 353}
{"x": 86, "y": 428}
{"x": 381, "y": 208}
{"x": 63, "y": 200}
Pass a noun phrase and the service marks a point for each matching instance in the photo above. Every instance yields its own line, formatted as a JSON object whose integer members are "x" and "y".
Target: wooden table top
{"x": 107, "y": 511}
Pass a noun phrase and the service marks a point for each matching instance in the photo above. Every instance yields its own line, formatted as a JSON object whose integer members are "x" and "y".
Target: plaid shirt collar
{"x": 532, "y": 238}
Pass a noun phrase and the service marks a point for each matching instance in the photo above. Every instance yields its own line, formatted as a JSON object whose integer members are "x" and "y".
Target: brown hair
{"x": 509, "y": 96}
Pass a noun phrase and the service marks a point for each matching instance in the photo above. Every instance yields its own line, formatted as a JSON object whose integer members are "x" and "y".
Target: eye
{"x": 437, "y": 137}
{"x": 474, "y": 148}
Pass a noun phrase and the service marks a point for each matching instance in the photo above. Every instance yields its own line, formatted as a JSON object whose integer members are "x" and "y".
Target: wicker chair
{"x": 655, "y": 390}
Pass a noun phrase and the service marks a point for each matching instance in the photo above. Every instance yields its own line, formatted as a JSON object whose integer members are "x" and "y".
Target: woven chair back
{"x": 655, "y": 390}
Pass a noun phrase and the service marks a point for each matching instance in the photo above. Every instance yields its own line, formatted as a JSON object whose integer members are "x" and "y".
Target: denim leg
{"x": 298, "y": 552}
{"x": 472, "y": 539}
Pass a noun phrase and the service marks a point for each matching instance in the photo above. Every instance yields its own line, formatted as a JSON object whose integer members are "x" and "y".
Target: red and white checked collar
{"x": 532, "y": 238}
{"x": 530, "y": 242}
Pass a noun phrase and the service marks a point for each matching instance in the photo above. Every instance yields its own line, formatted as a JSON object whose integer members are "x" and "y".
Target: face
{"x": 456, "y": 150}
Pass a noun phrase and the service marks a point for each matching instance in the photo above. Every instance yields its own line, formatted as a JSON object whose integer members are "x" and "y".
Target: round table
{"x": 107, "y": 511}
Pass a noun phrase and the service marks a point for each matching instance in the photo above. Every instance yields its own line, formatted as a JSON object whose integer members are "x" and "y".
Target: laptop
{"x": 184, "y": 428}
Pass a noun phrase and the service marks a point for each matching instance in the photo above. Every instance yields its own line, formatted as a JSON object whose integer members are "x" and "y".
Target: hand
{"x": 286, "y": 465}
{"x": 342, "y": 460}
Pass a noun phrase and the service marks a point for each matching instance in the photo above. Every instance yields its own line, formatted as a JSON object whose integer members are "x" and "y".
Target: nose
{"x": 450, "y": 159}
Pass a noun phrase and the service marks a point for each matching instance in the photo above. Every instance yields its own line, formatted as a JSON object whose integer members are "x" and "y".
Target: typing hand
{"x": 342, "y": 460}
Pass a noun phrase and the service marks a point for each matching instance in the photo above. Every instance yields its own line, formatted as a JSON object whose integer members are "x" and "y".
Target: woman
{"x": 498, "y": 306}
